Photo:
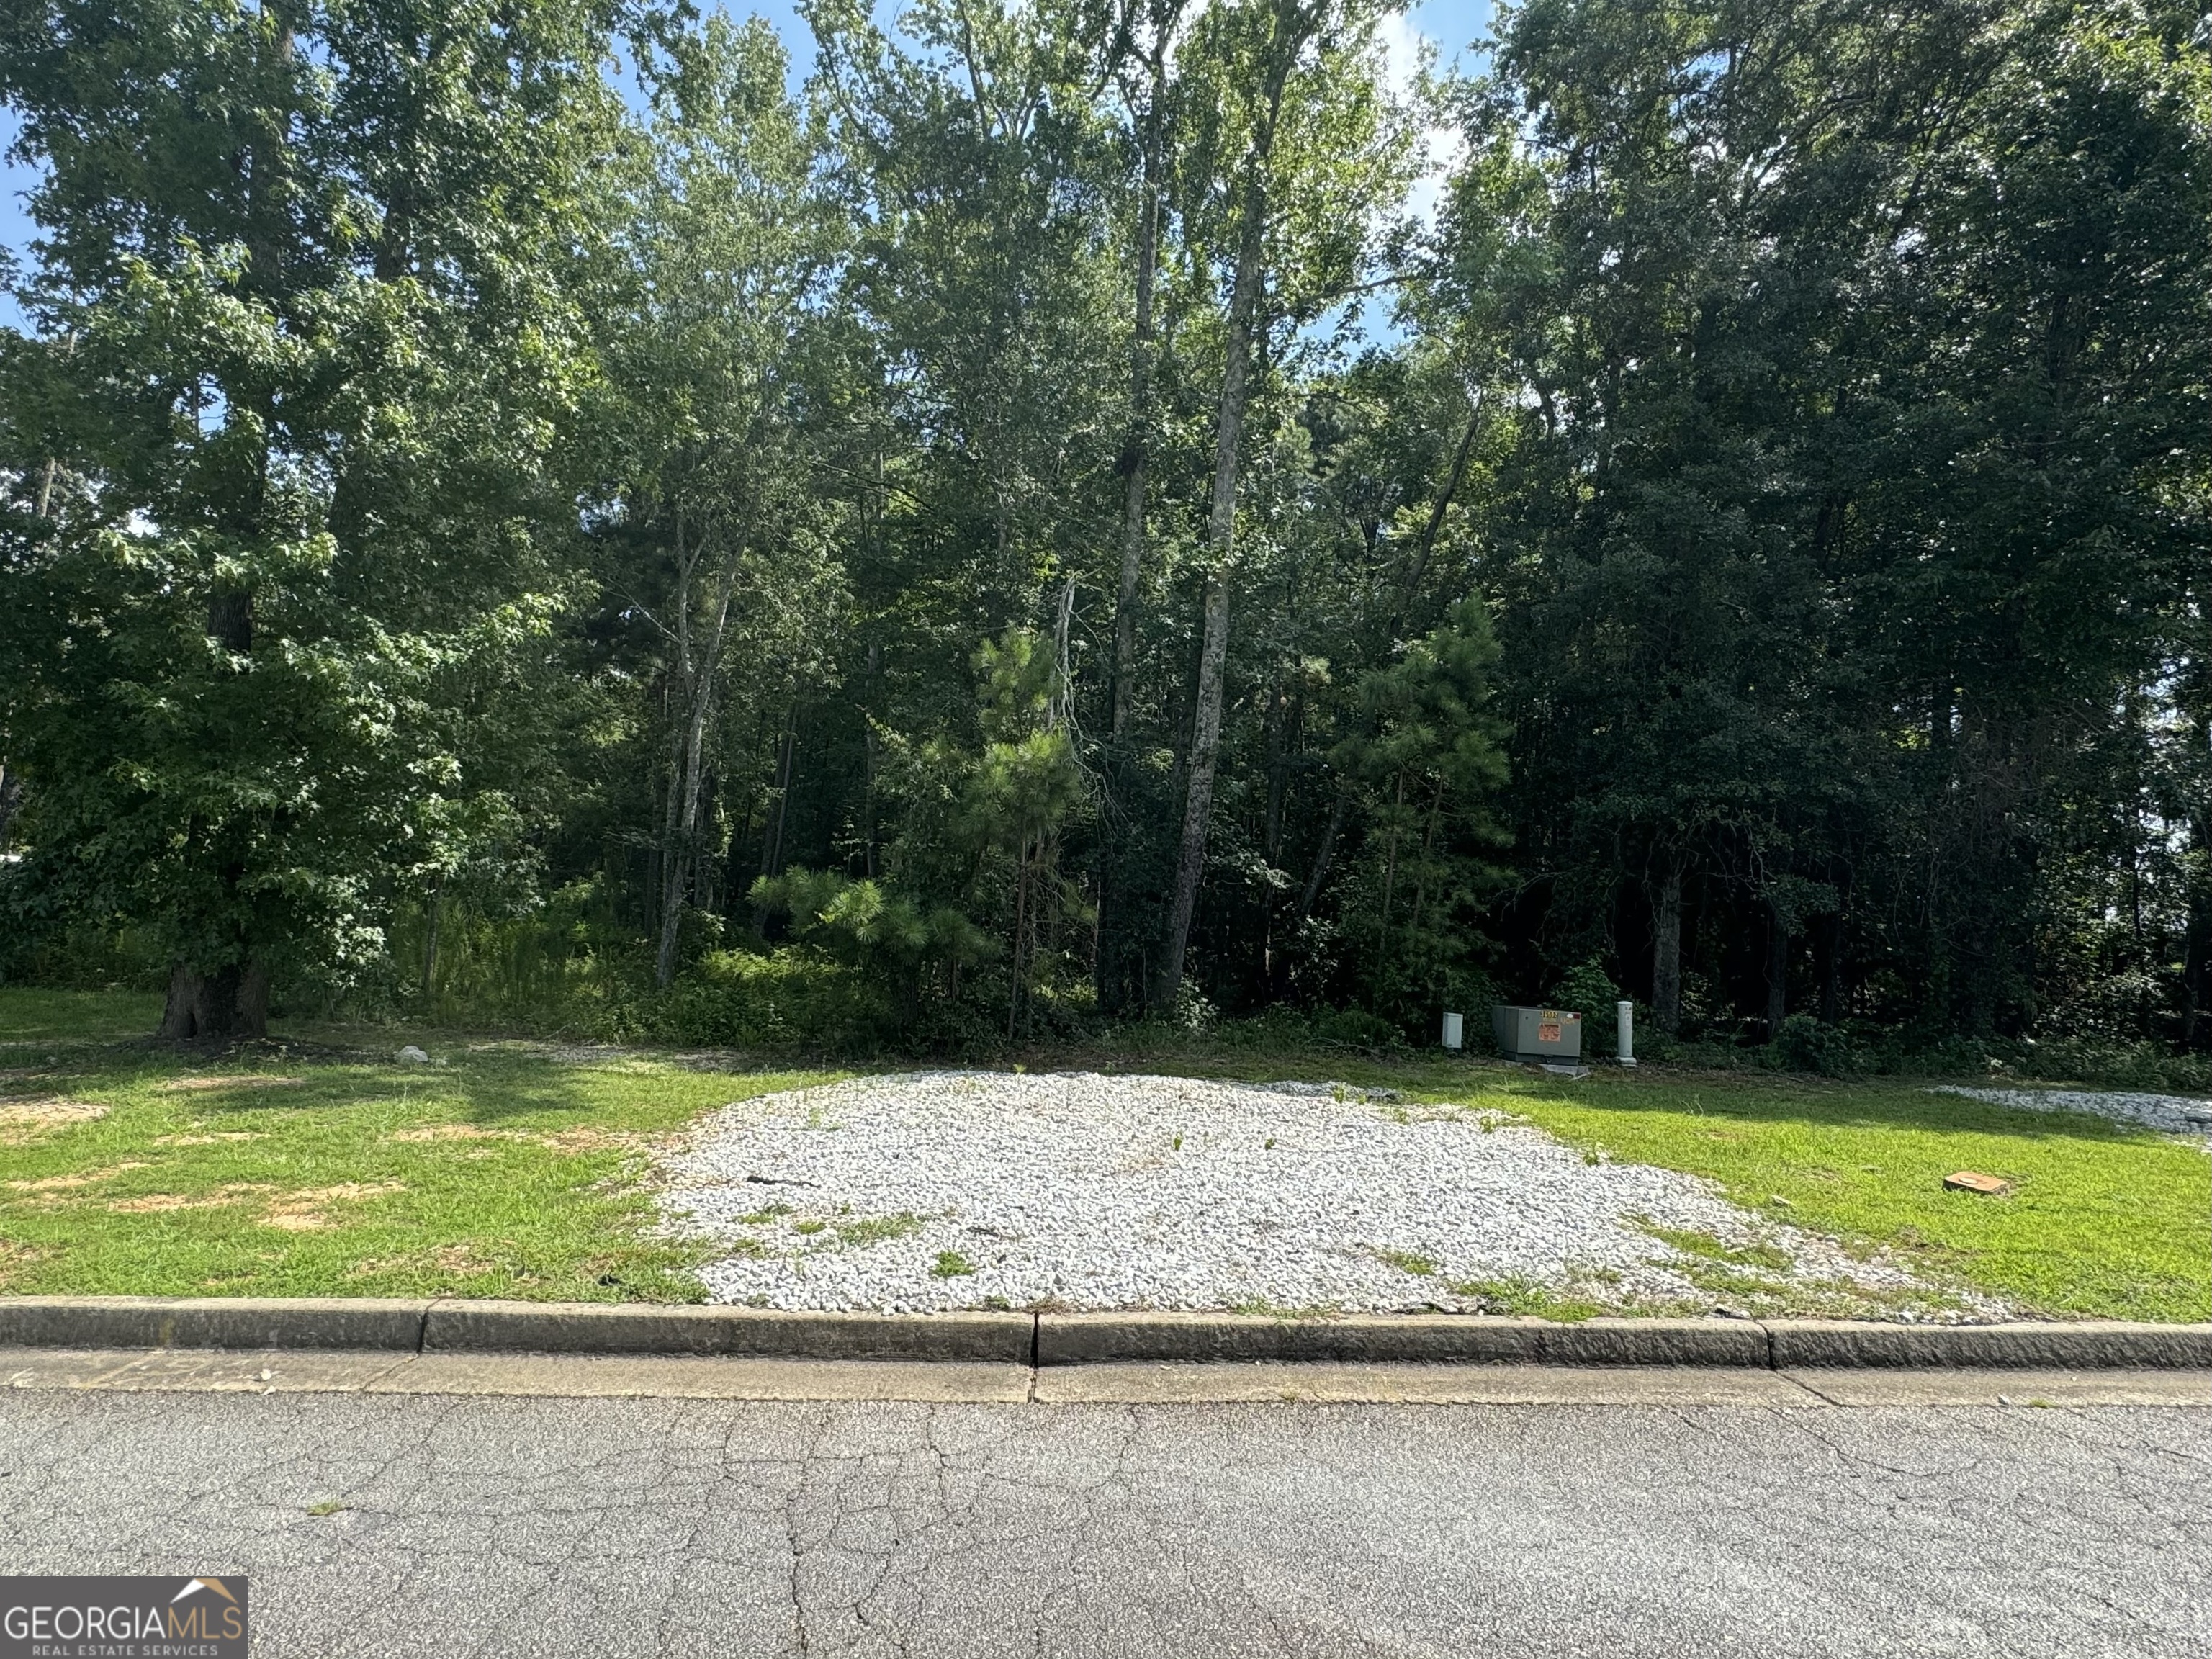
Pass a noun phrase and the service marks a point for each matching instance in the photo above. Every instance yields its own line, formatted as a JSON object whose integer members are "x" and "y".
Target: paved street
{"x": 407, "y": 1523}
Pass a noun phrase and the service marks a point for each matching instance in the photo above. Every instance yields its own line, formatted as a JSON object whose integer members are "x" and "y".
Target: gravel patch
{"x": 951, "y": 1189}
{"x": 2178, "y": 1115}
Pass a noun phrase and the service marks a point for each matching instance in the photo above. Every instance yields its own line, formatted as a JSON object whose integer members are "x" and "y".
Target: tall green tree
{"x": 708, "y": 422}
{"x": 1851, "y": 344}
{"x": 1302, "y": 151}
{"x": 302, "y": 339}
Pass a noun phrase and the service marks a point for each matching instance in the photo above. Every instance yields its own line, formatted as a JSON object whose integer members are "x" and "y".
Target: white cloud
{"x": 1407, "y": 46}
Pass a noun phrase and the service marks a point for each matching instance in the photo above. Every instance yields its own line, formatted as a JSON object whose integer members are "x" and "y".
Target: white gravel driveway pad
{"x": 951, "y": 1189}
{"x": 2178, "y": 1115}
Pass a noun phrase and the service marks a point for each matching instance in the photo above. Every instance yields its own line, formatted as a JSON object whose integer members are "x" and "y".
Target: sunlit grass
{"x": 278, "y": 1172}
{"x": 507, "y": 1169}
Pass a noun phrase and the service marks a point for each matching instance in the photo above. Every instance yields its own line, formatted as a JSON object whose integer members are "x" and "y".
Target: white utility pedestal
{"x": 1624, "y": 1015}
{"x": 1455, "y": 1031}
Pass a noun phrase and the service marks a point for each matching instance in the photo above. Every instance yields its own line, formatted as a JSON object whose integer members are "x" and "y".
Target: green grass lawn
{"x": 323, "y": 1167}
{"x": 308, "y": 1171}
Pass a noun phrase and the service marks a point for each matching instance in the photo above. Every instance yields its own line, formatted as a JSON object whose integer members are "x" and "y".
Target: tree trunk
{"x": 686, "y": 831}
{"x": 684, "y": 804}
{"x": 1021, "y": 918}
{"x": 1221, "y": 536}
{"x": 668, "y": 895}
{"x": 1198, "y": 798}
{"x": 1667, "y": 953}
{"x": 1411, "y": 587}
{"x": 179, "y": 1013}
{"x": 430, "y": 946}
{"x": 231, "y": 1004}
{"x": 1778, "y": 970}
{"x": 771, "y": 862}
{"x": 1832, "y": 968}
{"x": 253, "y": 1020}
{"x": 1428, "y": 843}
{"x": 2197, "y": 952}
{"x": 1339, "y": 810}
{"x": 1134, "y": 448}
{"x": 1390, "y": 887}
{"x": 203, "y": 1004}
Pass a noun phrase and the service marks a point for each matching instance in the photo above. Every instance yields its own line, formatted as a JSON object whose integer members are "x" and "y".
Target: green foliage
{"x": 791, "y": 998}
{"x": 1589, "y": 992}
{"x": 1858, "y": 491}
{"x": 864, "y": 569}
{"x": 1804, "y": 1044}
{"x": 1427, "y": 757}
{"x": 271, "y": 575}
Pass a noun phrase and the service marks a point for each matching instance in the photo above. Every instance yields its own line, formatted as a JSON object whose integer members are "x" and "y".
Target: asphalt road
{"x": 414, "y": 1524}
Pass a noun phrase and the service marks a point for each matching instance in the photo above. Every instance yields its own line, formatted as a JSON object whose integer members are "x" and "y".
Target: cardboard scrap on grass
{"x": 1973, "y": 1180}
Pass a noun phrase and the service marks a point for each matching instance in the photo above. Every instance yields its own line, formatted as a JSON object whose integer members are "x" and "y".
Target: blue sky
{"x": 1452, "y": 24}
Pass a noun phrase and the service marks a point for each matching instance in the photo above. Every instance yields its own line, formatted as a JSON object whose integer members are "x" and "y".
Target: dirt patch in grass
{"x": 165, "y": 1203}
{"x": 245, "y": 1080}
{"x": 303, "y": 1212}
{"x": 82, "y": 1178}
{"x": 219, "y": 1138}
{"x": 583, "y": 1139}
{"x": 33, "y": 1118}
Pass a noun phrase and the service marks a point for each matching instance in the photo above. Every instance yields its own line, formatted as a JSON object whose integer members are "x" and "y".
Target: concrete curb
{"x": 213, "y": 1322}
{"x": 2101, "y": 1346}
{"x": 1104, "y": 1337}
{"x": 454, "y": 1326}
{"x": 1007, "y": 1338}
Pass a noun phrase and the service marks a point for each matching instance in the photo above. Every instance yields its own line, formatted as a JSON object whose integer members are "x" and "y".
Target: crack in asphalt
{"x": 665, "y": 1527}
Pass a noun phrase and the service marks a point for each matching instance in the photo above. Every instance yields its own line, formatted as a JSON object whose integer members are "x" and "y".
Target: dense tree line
{"x": 521, "y": 508}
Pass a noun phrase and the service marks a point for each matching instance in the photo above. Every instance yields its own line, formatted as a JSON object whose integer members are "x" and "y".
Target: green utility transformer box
{"x": 1537, "y": 1033}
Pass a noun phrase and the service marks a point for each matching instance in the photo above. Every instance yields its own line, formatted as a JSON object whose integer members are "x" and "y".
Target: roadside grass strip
{"x": 325, "y": 1168}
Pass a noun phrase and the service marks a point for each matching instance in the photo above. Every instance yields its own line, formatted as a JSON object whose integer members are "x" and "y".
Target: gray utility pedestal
{"x": 1537, "y": 1033}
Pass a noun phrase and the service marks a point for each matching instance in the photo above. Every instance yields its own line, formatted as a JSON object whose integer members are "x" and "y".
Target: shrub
{"x": 791, "y": 997}
{"x": 1587, "y": 989}
{"x": 1805, "y": 1044}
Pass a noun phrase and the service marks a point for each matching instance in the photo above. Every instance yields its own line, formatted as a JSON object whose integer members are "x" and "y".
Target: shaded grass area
{"x": 30, "y": 1015}
{"x": 290, "y": 1170}
{"x": 317, "y": 1165}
